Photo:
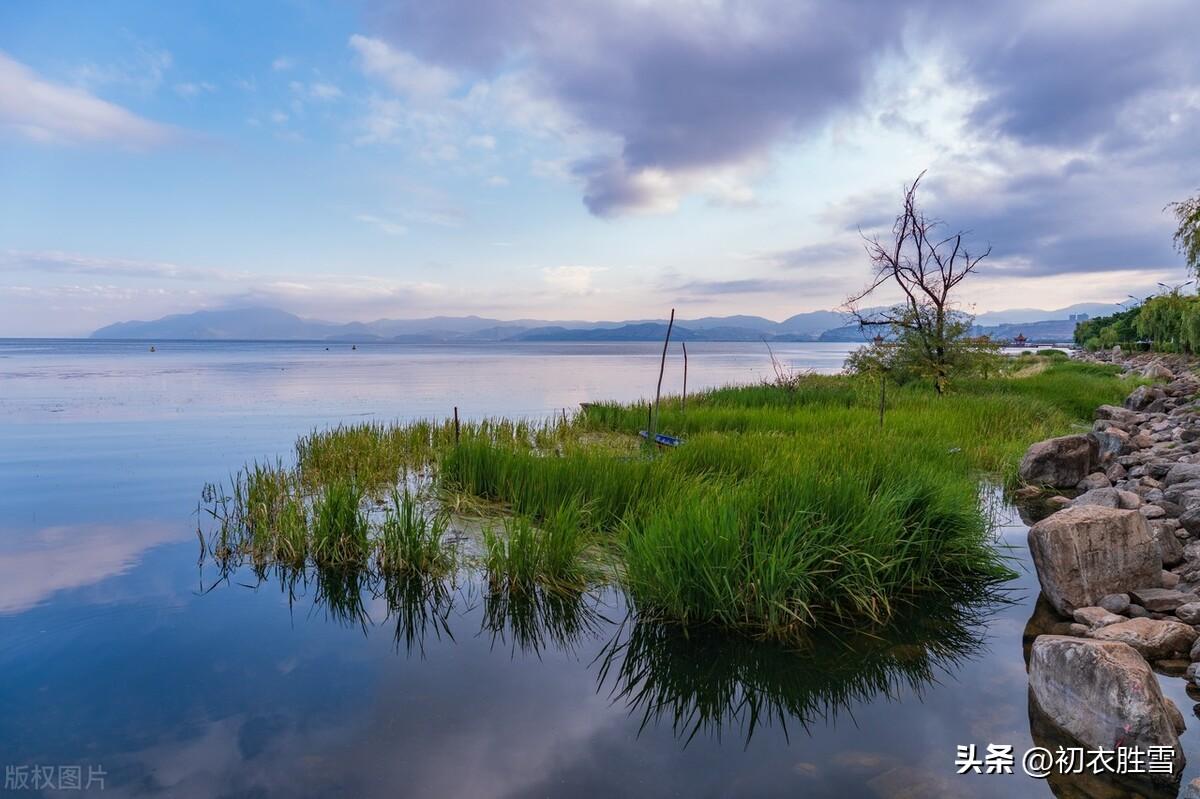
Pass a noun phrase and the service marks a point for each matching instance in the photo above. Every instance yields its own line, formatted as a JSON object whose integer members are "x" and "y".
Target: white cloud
{"x": 191, "y": 89}
{"x": 320, "y": 91}
{"x": 143, "y": 69}
{"x": 570, "y": 279}
{"x": 403, "y": 72}
{"x": 383, "y": 225}
{"x": 483, "y": 142}
{"x": 282, "y": 64}
{"x": 497, "y": 181}
{"x": 41, "y": 110}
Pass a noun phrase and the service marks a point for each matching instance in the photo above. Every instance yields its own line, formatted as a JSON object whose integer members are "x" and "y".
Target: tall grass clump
{"x": 339, "y": 525}
{"x": 410, "y": 540}
{"x": 522, "y": 558}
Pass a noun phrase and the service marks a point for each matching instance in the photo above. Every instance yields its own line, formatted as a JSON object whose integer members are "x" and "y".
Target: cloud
{"x": 283, "y": 64}
{"x": 318, "y": 91}
{"x": 383, "y": 225}
{"x": 142, "y": 68}
{"x": 191, "y": 89}
{"x": 403, "y": 72}
{"x": 43, "y": 111}
{"x": 66, "y": 263}
{"x": 570, "y": 279}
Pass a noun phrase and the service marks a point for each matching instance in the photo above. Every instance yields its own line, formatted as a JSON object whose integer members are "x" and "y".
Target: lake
{"x": 126, "y": 658}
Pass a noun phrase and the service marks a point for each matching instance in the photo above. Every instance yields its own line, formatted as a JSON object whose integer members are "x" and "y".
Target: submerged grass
{"x": 788, "y": 507}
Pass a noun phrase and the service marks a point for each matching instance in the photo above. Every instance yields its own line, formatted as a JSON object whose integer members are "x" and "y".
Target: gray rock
{"x": 1129, "y": 500}
{"x": 1154, "y": 639}
{"x": 1191, "y": 790}
{"x": 1104, "y": 497}
{"x": 1169, "y": 579}
{"x": 1190, "y": 520}
{"x": 1137, "y": 612}
{"x": 1161, "y": 600}
{"x": 1181, "y": 473}
{"x": 1096, "y": 617}
{"x": 1156, "y": 371}
{"x": 1102, "y": 693}
{"x": 1094, "y": 480}
{"x": 1110, "y": 443}
{"x": 1060, "y": 462}
{"x": 1115, "y": 471}
{"x": 1115, "y": 603}
{"x": 1170, "y": 548}
{"x": 1143, "y": 397}
{"x": 1152, "y": 511}
{"x": 1194, "y": 653}
{"x": 1083, "y": 553}
{"x": 1189, "y": 613}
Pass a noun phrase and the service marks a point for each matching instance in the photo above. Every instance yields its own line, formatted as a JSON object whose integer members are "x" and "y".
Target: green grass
{"x": 339, "y": 525}
{"x": 786, "y": 509}
{"x": 521, "y": 558}
{"x": 410, "y": 540}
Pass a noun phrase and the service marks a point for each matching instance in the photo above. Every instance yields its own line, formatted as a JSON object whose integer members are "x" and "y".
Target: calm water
{"x": 118, "y": 652}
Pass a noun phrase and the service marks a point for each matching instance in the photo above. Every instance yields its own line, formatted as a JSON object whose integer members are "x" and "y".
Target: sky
{"x": 605, "y": 160}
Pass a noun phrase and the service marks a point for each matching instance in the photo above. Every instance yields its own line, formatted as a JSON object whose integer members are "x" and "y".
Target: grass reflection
{"x": 703, "y": 681}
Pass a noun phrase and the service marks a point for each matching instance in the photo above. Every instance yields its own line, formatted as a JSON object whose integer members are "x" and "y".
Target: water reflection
{"x": 706, "y": 681}
{"x": 539, "y": 620}
{"x": 693, "y": 681}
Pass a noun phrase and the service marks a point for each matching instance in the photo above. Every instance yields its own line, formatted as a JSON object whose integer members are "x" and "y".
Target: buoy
{"x": 152, "y": 348}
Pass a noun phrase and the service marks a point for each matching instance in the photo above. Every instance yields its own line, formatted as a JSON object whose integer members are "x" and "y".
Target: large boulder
{"x": 1110, "y": 443}
{"x": 1154, "y": 639}
{"x": 1182, "y": 473}
{"x": 1102, "y": 694}
{"x": 1086, "y": 552}
{"x": 1060, "y": 462}
{"x": 1143, "y": 396}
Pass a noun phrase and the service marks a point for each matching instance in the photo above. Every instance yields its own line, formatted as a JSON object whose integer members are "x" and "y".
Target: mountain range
{"x": 273, "y": 324}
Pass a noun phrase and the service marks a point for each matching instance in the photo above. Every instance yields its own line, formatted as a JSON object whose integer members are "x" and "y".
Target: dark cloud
{"x": 681, "y": 87}
{"x": 1085, "y": 123}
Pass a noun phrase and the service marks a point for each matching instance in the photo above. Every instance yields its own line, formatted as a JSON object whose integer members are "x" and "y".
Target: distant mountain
{"x": 274, "y": 324}
{"x": 1017, "y": 316}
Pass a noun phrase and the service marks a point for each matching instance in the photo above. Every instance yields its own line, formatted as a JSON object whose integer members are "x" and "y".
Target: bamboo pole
{"x": 662, "y": 367}
{"x": 683, "y": 399}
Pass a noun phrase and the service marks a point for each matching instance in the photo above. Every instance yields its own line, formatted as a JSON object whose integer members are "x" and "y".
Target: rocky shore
{"x": 1118, "y": 561}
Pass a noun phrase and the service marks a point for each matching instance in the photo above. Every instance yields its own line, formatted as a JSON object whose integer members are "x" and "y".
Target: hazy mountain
{"x": 274, "y": 324}
{"x": 1016, "y": 316}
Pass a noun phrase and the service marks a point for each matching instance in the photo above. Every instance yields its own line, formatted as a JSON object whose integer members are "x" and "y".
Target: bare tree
{"x": 927, "y": 266}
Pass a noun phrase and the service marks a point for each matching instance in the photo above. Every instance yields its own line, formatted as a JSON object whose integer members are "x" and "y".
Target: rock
{"x": 1170, "y": 548}
{"x": 1189, "y": 613}
{"x": 1175, "y": 715}
{"x": 1083, "y": 553}
{"x": 1096, "y": 617}
{"x": 1094, "y": 480}
{"x": 1060, "y": 462}
{"x": 1104, "y": 497}
{"x": 1190, "y": 520}
{"x": 1137, "y": 612}
{"x": 1154, "y": 639}
{"x": 1143, "y": 397}
{"x": 1116, "y": 413}
{"x": 1172, "y": 667}
{"x": 1160, "y": 600}
{"x": 1101, "y": 693}
{"x": 1156, "y": 371}
{"x": 1110, "y": 443}
{"x": 1116, "y": 471}
{"x": 1169, "y": 579}
{"x": 1181, "y": 473}
{"x": 1058, "y": 502}
{"x": 1128, "y": 500}
{"x": 1141, "y": 441}
{"x": 1152, "y": 511}
{"x": 1191, "y": 790}
{"x": 1194, "y": 652}
{"x": 1115, "y": 603}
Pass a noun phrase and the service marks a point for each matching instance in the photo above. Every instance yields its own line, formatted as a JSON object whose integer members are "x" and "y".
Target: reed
{"x": 410, "y": 540}
{"x": 339, "y": 525}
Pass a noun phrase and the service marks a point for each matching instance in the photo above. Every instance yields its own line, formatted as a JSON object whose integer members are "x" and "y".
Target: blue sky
{"x": 357, "y": 160}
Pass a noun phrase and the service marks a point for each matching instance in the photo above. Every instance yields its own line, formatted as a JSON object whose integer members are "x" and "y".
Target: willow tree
{"x": 927, "y": 265}
{"x": 1187, "y": 235}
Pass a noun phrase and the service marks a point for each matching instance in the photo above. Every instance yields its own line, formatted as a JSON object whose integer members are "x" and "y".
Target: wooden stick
{"x": 456, "y": 430}
{"x": 683, "y": 399}
{"x": 662, "y": 366}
